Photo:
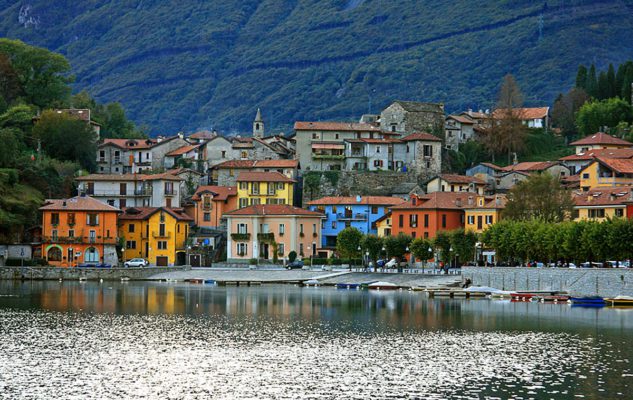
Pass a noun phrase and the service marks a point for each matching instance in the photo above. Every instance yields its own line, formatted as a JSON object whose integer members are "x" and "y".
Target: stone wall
{"x": 352, "y": 183}
{"x": 578, "y": 282}
{"x": 107, "y": 274}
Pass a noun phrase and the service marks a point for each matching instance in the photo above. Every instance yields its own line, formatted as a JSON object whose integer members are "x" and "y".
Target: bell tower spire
{"x": 258, "y": 125}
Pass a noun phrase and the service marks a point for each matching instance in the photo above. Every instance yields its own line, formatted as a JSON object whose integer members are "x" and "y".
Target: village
{"x": 205, "y": 198}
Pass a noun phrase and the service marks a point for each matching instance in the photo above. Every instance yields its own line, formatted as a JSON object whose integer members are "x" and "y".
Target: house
{"x": 79, "y": 230}
{"x": 131, "y": 156}
{"x": 512, "y": 174}
{"x": 383, "y": 225}
{"x": 260, "y": 231}
{"x": 603, "y": 203}
{"x": 255, "y": 148}
{"x": 534, "y": 117}
{"x": 600, "y": 140}
{"x": 486, "y": 172}
{"x": 190, "y": 181}
{"x": 209, "y": 203}
{"x": 423, "y": 216}
{"x": 458, "y": 129}
{"x": 133, "y": 190}
{"x": 482, "y": 211}
{"x": 158, "y": 234}
{"x": 320, "y": 146}
{"x": 384, "y": 154}
{"x": 423, "y": 153}
{"x": 455, "y": 183}
{"x": 360, "y": 212}
{"x": 225, "y": 173}
{"x": 578, "y": 161}
{"x": 606, "y": 172}
{"x": 481, "y": 118}
{"x": 191, "y": 156}
{"x": 219, "y": 149}
{"x": 264, "y": 188}
{"x": 407, "y": 117}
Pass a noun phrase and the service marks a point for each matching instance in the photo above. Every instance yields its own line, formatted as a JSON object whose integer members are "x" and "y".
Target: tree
{"x": 66, "y": 138}
{"x": 10, "y": 88}
{"x": 594, "y": 115}
{"x": 442, "y": 243}
{"x": 396, "y": 246}
{"x": 10, "y": 148}
{"x": 373, "y": 245}
{"x": 420, "y": 249}
{"x": 540, "y": 196}
{"x": 581, "y": 77}
{"x": 348, "y": 241}
{"x": 463, "y": 243}
{"x": 592, "y": 82}
{"x": 611, "y": 84}
{"x": 565, "y": 108}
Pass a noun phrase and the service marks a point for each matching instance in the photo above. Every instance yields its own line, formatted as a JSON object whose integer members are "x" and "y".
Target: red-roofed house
{"x": 264, "y": 188}
{"x": 126, "y": 156}
{"x": 225, "y": 173}
{"x": 268, "y": 232}
{"x": 455, "y": 183}
{"x": 191, "y": 156}
{"x": 534, "y": 117}
{"x": 578, "y": 161}
{"x": 458, "y": 129}
{"x": 606, "y": 172}
{"x": 423, "y": 216}
{"x": 209, "y": 203}
{"x": 600, "y": 140}
{"x": 603, "y": 202}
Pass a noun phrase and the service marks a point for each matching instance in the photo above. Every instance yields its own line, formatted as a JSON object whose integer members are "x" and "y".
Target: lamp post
{"x": 410, "y": 256}
{"x": 430, "y": 251}
{"x": 384, "y": 250}
{"x": 450, "y": 258}
{"x": 310, "y": 250}
{"x": 477, "y": 248}
{"x": 360, "y": 252}
{"x": 72, "y": 256}
{"x": 366, "y": 259}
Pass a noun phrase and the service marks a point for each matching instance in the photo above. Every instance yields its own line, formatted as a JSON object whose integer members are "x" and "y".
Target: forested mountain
{"x": 184, "y": 65}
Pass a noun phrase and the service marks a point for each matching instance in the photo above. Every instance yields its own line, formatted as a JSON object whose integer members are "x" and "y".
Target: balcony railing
{"x": 328, "y": 156}
{"x": 79, "y": 240}
{"x": 170, "y": 193}
{"x": 352, "y": 216}
{"x": 164, "y": 235}
{"x": 143, "y": 192}
{"x": 612, "y": 180}
{"x": 266, "y": 237}
{"x": 240, "y": 237}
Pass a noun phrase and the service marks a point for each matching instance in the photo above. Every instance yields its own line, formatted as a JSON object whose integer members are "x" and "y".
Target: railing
{"x": 266, "y": 237}
{"x": 612, "y": 180}
{"x": 352, "y": 216}
{"x": 79, "y": 240}
{"x": 328, "y": 156}
{"x": 164, "y": 235}
{"x": 170, "y": 193}
{"x": 240, "y": 237}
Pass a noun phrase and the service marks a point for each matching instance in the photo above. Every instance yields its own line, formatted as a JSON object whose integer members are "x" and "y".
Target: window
{"x": 585, "y": 176}
{"x": 122, "y": 189}
{"x": 92, "y": 255}
{"x": 244, "y": 154}
{"x": 223, "y": 154}
{"x": 101, "y": 155}
{"x": 92, "y": 236}
{"x": 599, "y": 213}
{"x": 255, "y": 188}
{"x": 281, "y": 249}
{"x": 334, "y": 209}
{"x": 271, "y": 188}
{"x": 130, "y": 244}
{"x": 374, "y": 209}
{"x": 336, "y": 136}
{"x": 242, "y": 249}
{"x": 426, "y": 220}
{"x": 427, "y": 150}
{"x": 401, "y": 221}
{"x": 413, "y": 234}
{"x": 243, "y": 185}
{"x": 54, "y": 235}
{"x": 413, "y": 221}
{"x": 242, "y": 228}
{"x": 488, "y": 219}
{"x": 314, "y": 230}
{"x": 280, "y": 186}
{"x": 243, "y": 202}
{"x": 619, "y": 212}
{"x": 407, "y": 148}
{"x": 111, "y": 203}
{"x": 322, "y": 224}
{"x": 131, "y": 227}
{"x": 55, "y": 219}
{"x": 207, "y": 217}
{"x": 93, "y": 219}
{"x": 54, "y": 254}
{"x": 426, "y": 235}
{"x": 315, "y": 135}
{"x": 377, "y": 149}
{"x": 169, "y": 188}
{"x": 393, "y": 127}
{"x": 301, "y": 249}
{"x": 300, "y": 228}
{"x": 71, "y": 233}
{"x": 471, "y": 220}
{"x": 443, "y": 220}
{"x": 162, "y": 245}
{"x": 70, "y": 217}
{"x": 122, "y": 203}
{"x": 255, "y": 202}
{"x": 282, "y": 229}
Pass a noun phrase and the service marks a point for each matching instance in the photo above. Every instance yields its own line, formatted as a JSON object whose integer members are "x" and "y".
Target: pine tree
{"x": 581, "y": 77}
{"x": 611, "y": 89}
{"x": 602, "y": 91}
{"x": 592, "y": 82}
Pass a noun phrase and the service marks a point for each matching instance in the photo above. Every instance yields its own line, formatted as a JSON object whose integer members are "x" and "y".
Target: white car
{"x": 391, "y": 263}
{"x": 136, "y": 262}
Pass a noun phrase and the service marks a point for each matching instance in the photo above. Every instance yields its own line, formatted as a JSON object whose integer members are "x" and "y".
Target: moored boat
{"x": 588, "y": 301}
{"x": 554, "y": 299}
{"x": 380, "y": 285}
{"x": 311, "y": 282}
{"x": 523, "y": 296}
{"x": 626, "y": 301}
{"x": 353, "y": 286}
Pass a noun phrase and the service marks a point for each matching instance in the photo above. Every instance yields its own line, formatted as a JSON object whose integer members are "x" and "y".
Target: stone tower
{"x": 258, "y": 125}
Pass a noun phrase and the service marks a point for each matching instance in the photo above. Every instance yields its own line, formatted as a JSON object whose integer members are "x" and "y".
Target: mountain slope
{"x": 183, "y": 65}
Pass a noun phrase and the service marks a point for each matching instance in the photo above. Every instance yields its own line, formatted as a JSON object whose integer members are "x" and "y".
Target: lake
{"x": 177, "y": 340}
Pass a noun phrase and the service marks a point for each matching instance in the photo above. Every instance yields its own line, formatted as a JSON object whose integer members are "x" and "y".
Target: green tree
{"x": 594, "y": 115}
{"x": 396, "y": 246}
{"x": 11, "y": 147}
{"x": 592, "y": 82}
{"x": 463, "y": 243}
{"x": 442, "y": 245}
{"x": 541, "y": 196}
{"x": 348, "y": 241}
{"x": 67, "y": 138}
{"x": 565, "y": 108}
{"x": 10, "y": 88}
{"x": 420, "y": 249}
{"x": 581, "y": 77}
{"x": 612, "y": 90}
{"x": 373, "y": 245}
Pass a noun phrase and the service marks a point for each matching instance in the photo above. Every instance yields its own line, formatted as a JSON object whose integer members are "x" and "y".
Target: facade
{"x": 576, "y": 162}
{"x": 383, "y": 225}
{"x": 264, "y": 188}
{"x": 360, "y": 212}
{"x": 423, "y": 154}
{"x": 407, "y": 117}
{"x": 261, "y": 230}
{"x": 219, "y": 149}
{"x": 425, "y": 215}
{"x": 455, "y": 183}
{"x": 192, "y": 156}
{"x": 603, "y": 203}
{"x": 600, "y": 140}
{"x": 225, "y": 174}
{"x": 254, "y": 148}
{"x": 133, "y": 190}
{"x": 133, "y": 156}
{"x": 458, "y": 129}
{"x": 509, "y": 176}
{"x": 209, "y": 203}
{"x": 79, "y": 230}
{"x": 534, "y": 117}
{"x": 482, "y": 211}
{"x": 606, "y": 172}
{"x": 374, "y": 155}
{"x": 157, "y": 234}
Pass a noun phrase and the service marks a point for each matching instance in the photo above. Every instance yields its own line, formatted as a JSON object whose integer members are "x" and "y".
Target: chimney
{"x": 471, "y": 201}
{"x": 612, "y": 197}
{"x": 64, "y": 203}
{"x": 458, "y": 202}
{"x": 498, "y": 201}
{"x": 358, "y": 198}
{"x": 589, "y": 198}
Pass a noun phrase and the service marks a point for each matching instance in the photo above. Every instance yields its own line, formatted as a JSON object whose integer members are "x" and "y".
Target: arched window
{"x": 92, "y": 255}
{"x": 54, "y": 254}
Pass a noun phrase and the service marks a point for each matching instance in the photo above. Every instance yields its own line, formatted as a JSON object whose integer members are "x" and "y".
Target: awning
{"x": 328, "y": 146}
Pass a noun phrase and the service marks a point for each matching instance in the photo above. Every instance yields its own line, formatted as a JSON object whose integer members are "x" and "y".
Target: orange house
{"x": 79, "y": 230}
{"x": 423, "y": 216}
{"x": 209, "y": 203}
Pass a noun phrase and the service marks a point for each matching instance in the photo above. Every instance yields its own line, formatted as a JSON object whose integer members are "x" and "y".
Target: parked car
{"x": 136, "y": 262}
{"x": 296, "y": 264}
{"x": 391, "y": 263}
{"x": 103, "y": 265}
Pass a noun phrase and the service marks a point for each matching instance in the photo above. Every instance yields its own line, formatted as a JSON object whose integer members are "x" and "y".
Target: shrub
{"x": 292, "y": 256}
{"x": 252, "y": 261}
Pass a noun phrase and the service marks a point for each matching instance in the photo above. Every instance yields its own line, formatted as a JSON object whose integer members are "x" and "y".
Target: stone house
{"x": 423, "y": 154}
{"x": 225, "y": 174}
{"x": 458, "y": 129}
{"x": 455, "y": 183}
{"x": 133, "y": 156}
{"x": 406, "y": 117}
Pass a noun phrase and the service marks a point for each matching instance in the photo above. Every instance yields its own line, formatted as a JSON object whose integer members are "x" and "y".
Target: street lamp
{"x": 384, "y": 250}
{"x": 360, "y": 251}
{"x": 450, "y": 258}
{"x": 366, "y": 259}
{"x": 310, "y": 250}
{"x": 410, "y": 256}
{"x": 430, "y": 251}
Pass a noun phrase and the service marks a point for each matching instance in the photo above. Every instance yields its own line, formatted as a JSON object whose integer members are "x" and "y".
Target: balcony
{"x": 351, "y": 216}
{"x": 143, "y": 192}
{"x": 266, "y": 237}
{"x": 328, "y": 157}
{"x": 170, "y": 192}
{"x": 240, "y": 237}
{"x": 79, "y": 240}
{"x": 614, "y": 181}
{"x": 158, "y": 235}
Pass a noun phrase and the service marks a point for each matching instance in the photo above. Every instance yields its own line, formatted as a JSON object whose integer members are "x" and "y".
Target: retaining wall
{"x": 578, "y": 282}
{"x": 112, "y": 274}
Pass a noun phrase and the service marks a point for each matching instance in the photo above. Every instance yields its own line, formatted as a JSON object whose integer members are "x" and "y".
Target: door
{"x": 264, "y": 251}
{"x": 479, "y": 222}
{"x": 194, "y": 260}
{"x": 162, "y": 261}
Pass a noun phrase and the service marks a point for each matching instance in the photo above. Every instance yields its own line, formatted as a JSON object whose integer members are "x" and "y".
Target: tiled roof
{"x": 364, "y": 200}
{"x": 476, "y": 115}
{"x": 182, "y": 150}
{"x": 438, "y": 200}
{"x": 384, "y": 217}
{"x": 77, "y": 203}
{"x": 128, "y": 177}
{"x": 492, "y": 166}
{"x": 263, "y": 177}
{"x": 335, "y": 126}
{"x": 274, "y": 209}
{"x": 203, "y": 135}
{"x": 462, "y": 119}
{"x": 453, "y": 178}
{"x": 374, "y": 141}
{"x": 143, "y": 213}
{"x": 130, "y": 143}
{"x": 623, "y": 166}
{"x": 427, "y": 137}
{"x": 605, "y": 153}
{"x": 603, "y": 196}
{"x": 529, "y": 166}
{"x": 524, "y": 113}
{"x": 497, "y": 201}
{"x": 601, "y": 138}
{"x": 219, "y": 192}
{"x": 248, "y": 164}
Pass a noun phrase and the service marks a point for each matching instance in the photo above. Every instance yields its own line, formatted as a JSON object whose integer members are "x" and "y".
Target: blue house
{"x": 360, "y": 212}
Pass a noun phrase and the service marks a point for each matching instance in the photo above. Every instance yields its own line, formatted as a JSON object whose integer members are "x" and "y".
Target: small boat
{"x": 210, "y": 282}
{"x": 381, "y": 285}
{"x": 125, "y": 279}
{"x": 626, "y": 301}
{"x": 311, "y": 282}
{"x": 365, "y": 286}
{"x": 194, "y": 280}
{"x": 417, "y": 289}
{"x": 595, "y": 301}
{"x": 554, "y": 299}
{"x": 348, "y": 286}
{"x": 523, "y": 296}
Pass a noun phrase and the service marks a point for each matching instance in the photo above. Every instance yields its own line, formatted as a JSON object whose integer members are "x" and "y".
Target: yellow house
{"x": 606, "y": 172}
{"x": 483, "y": 211}
{"x": 600, "y": 140}
{"x": 157, "y": 234}
{"x": 383, "y": 225}
{"x": 255, "y": 188}
{"x": 602, "y": 203}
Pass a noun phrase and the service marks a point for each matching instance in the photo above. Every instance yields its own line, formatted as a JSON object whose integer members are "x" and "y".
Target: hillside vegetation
{"x": 183, "y": 65}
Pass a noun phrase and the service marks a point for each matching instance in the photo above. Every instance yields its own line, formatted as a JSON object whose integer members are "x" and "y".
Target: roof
{"x": 437, "y": 200}
{"x": 462, "y": 119}
{"x": 623, "y": 166}
{"x": 529, "y": 166}
{"x": 524, "y": 113}
{"x": 423, "y": 136}
{"x": 384, "y": 217}
{"x": 248, "y": 164}
{"x": 219, "y": 192}
{"x": 203, "y": 135}
{"x": 130, "y": 143}
{"x": 416, "y": 106}
{"x": 603, "y": 196}
{"x": 601, "y": 138}
{"x": 492, "y": 166}
{"x": 182, "y": 150}
{"x": 263, "y": 177}
{"x": 374, "y": 141}
{"x": 490, "y": 202}
{"x": 605, "y": 153}
{"x": 143, "y": 213}
{"x": 359, "y": 200}
{"x": 274, "y": 209}
{"x": 128, "y": 177}
{"x": 335, "y": 126}
{"x": 475, "y": 114}
{"x": 77, "y": 203}
{"x": 454, "y": 178}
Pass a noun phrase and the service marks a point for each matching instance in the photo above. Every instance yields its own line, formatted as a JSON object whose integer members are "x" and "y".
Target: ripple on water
{"x": 82, "y": 355}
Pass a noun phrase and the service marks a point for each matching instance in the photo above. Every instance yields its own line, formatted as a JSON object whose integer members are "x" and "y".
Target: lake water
{"x": 174, "y": 341}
